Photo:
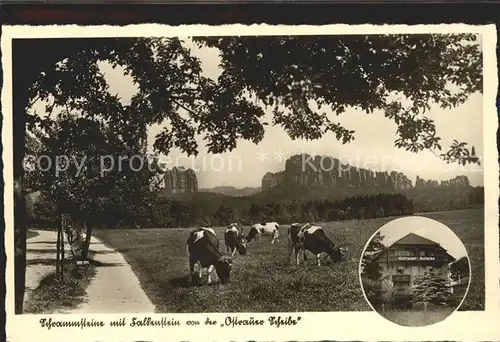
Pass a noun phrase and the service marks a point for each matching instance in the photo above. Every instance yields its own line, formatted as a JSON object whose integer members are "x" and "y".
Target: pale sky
{"x": 373, "y": 146}
{"x": 427, "y": 228}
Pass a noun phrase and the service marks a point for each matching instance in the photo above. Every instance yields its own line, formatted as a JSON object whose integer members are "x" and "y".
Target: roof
{"x": 450, "y": 257}
{"x": 410, "y": 239}
{"x": 463, "y": 281}
{"x": 414, "y": 239}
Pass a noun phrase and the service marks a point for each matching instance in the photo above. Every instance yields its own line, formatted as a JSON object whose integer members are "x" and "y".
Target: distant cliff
{"x": 270, "y": 180}
{"x": 180, "y": 180}
{"x": 232, "y": 191}
{"x": 329, "y": 172}
{"x": 458, "y": 182}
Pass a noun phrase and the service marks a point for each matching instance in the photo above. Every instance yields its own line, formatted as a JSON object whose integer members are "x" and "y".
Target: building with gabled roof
{"x": 411, "y": 256}
{"x": 414, "y": 239}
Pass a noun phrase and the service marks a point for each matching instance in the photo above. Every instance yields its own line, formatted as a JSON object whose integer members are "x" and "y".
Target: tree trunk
{"x": 20, "y": 103}
{"x": 58, "y": 247}
{"x": 86, "y": 243}
{"x": 19, "y": 243}
{"x": 77, "y": 229}
{"x": 19, "y": 128}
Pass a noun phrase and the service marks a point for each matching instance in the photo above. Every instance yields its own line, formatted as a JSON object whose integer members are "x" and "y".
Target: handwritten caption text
{"x": 163, "y": 322}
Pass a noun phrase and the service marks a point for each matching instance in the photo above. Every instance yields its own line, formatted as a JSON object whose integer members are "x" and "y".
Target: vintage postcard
{"x": 236, "y": 183}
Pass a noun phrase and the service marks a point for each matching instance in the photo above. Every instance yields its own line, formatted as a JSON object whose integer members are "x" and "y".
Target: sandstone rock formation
{"x": 304, "y": 169}
{"x": 421, "y": 183}
{"x": 326, "y": 171}
{"x": 180, "y": 180}
{"x": 270, "y": 180}
{"x": 459, "y": 181}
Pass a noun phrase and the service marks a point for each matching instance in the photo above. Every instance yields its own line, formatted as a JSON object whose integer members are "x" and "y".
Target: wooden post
{"x": 58, "y": 245}
{"x": 63, "y": 222}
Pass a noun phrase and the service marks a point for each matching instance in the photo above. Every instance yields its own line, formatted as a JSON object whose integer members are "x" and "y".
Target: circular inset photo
{"x": 414, "y": 271}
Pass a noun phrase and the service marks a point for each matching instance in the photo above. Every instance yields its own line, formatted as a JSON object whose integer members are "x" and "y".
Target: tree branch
{"x": 185, "y": 108}
{"x": 33, "y": 101}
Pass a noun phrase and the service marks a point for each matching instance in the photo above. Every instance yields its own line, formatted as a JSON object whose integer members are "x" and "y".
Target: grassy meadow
{"x": 263, "y": 280}
{"x": 418, "y": 318}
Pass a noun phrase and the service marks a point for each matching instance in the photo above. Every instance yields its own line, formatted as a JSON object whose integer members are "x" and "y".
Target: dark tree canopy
{"x": 370, "y": 267}
{"x": 375, "y": 243}
{"x": 460, "y": 268}
{"x": 225, "y": 215}
{"x": 171, "y": 90}
{"x": 400, "y": 75}
{"x": 88, "y": 169}
{"x": 371, "y": 271}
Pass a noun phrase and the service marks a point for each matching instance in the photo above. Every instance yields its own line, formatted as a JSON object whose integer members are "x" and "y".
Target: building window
{"x": 414, "y": 270}
{"x": 403, "y": 253}
{"x": 422, "y": 253}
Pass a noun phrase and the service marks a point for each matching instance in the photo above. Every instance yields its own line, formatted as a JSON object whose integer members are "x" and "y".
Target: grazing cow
{"x": 265, "y": 229}
{"x": 203, "y": 250}
{"x": 235, "y": 240}
{"x": 311, "y": 238}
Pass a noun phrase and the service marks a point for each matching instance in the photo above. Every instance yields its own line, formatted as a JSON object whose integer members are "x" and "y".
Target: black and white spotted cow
{"x": 203, "y": 251}
{"x": 264, "y": 229}
{"x": 235, "y": 240}
{"x": 311, "y": 238}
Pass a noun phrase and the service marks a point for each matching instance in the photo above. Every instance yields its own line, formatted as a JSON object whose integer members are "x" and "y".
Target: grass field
{"x": 418, "y": 318}
{"x": 262, "y": 281}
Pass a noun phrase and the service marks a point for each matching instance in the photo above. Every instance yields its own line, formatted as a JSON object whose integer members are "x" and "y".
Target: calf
{"x": 234, "y": 239}
{"x": 313, "y": 239}
{"x": 265, "y": 229}
{"x": 203, "y": 251}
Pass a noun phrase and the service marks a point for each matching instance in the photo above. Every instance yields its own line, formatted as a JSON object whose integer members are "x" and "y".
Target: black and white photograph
{"x": 415, "y": 271}
{"x": 213, "y": 170}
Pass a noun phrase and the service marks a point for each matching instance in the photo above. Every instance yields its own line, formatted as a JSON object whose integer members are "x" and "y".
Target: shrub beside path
{"x": 114, "y": 289}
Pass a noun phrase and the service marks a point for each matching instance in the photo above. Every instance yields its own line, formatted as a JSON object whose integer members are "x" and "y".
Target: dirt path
{"x": 114, "y": 289}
